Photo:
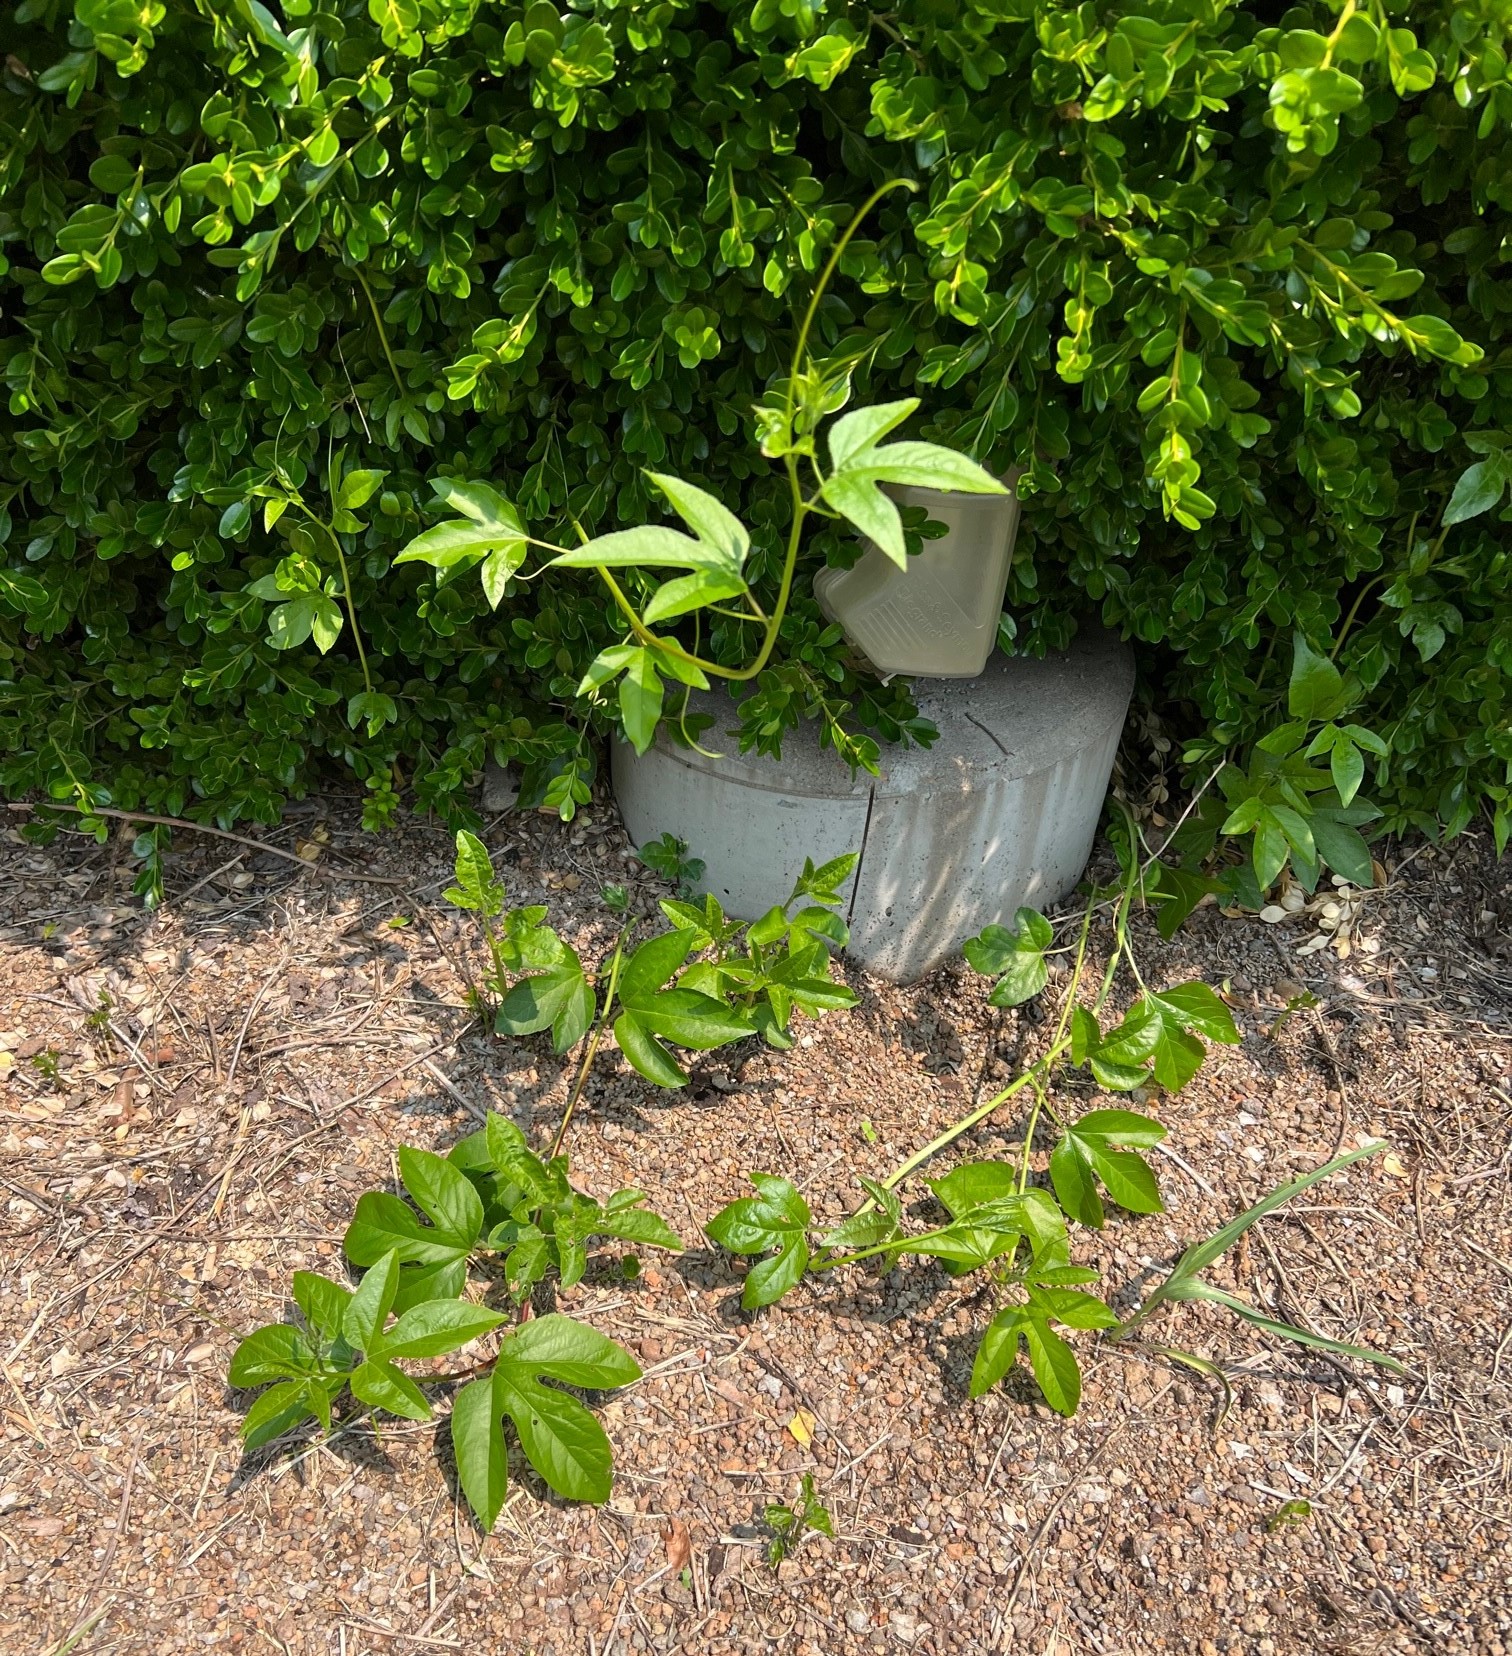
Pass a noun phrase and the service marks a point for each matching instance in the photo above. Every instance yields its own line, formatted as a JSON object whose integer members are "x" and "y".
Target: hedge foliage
{"x": 1229, "y": 282}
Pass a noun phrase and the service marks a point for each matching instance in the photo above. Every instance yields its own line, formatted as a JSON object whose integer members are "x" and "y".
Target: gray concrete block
{"x": 1000, "y": 812}
{"x": 501, "y": 788}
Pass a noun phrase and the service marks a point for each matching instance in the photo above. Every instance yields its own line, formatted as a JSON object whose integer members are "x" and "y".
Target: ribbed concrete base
{"x": 1000, "y": 812}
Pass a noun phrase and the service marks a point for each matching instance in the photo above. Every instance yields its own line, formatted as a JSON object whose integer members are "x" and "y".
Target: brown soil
{"x": 192, "y": 1102}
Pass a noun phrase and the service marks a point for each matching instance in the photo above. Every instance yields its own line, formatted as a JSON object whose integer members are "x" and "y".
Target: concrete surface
{"x": 1000, "y": 812}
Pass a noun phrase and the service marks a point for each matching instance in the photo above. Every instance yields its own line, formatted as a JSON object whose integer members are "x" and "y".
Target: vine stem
{"x": 967, "y": 1122}
{"x": 202, "y": 828}
{"x": 1040, "y": 1071}
{"x": 351, "y": 605}
{"x": 833, "y": 1261}
{"x": 346, "y": 588}
{"x": 378, "y": 324}
{"x": 800, "y": 507}
{"x": 1385, "y": 575}
{"x": 801, "y": 343}
{"x": 593, "y": 1044}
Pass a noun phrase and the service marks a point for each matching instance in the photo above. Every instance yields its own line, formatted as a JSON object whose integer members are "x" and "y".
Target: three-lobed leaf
{"x": 558, "y": 997}
{"x": 1159, "y": 1036}
{"x": 860, "y": 463}
{"x": 491, "y": 533}
{"x": 991, "y": 1215}
{"x": 383, "y": 1223}
{"x": 1015, "y": 958}
{"x": 714, "y": 555}
{"x": 1051, "y": 1359}
{"x": 651, "y": 1015}
{"x": 1101, "y": 1146}
{"x": 476, "y": 890}
{"x": 776, "y": 1218}
{"x": 560, "y": 1437}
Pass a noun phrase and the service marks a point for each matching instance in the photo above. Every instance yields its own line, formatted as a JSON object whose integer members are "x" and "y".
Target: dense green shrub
{"x": 1227, "y": 282}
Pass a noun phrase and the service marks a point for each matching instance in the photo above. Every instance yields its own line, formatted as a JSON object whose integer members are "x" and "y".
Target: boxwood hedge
{"x": 1230, "y": 283}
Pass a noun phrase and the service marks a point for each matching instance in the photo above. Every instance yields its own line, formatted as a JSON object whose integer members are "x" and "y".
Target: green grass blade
{"x": 1202, "y": 1254}
{"x": 1284, "y": 1330}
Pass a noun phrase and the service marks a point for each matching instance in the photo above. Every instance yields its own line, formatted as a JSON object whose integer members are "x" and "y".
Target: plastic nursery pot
{"x": 938, "y": 616}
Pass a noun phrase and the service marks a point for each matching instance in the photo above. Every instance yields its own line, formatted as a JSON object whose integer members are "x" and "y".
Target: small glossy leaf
{"x": 1343, "y": 848}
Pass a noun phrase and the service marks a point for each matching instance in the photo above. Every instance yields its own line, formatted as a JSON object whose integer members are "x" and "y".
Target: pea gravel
{"x": 191, "y": 1102}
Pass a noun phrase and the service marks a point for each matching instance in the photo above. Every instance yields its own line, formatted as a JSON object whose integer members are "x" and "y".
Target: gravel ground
{"x": 173, "y": 1151}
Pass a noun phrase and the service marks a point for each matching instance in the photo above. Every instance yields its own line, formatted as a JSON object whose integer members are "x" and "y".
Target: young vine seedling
{"x": 495, "y": 1217}
{"x": 996, "y": 1217}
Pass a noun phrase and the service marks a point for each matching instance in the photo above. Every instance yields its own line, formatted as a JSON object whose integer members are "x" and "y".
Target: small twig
{"x": 1485, "y": 1254}
{"x": 243, "y": 1122}
{"x": 1187, "y": 1168}
{"x": 70, "y": 1640}
{"x": 205, "y": 879}
{"x": 467, "y": 1104}
{"x": 1327, "y": 1040}
{"x": 149, "y": 1074}
{"x": 257, "y": 1001}
{"x": 122, "y": 1511}
{"x": 1191, "y": 805}
{"x": 404, "y": 1638}
{"x": 367, "y": 1092}
{"x": 214, "y": 833}
{"x": 215, "y": 1057}
{"x": 1072, "y": 1483}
